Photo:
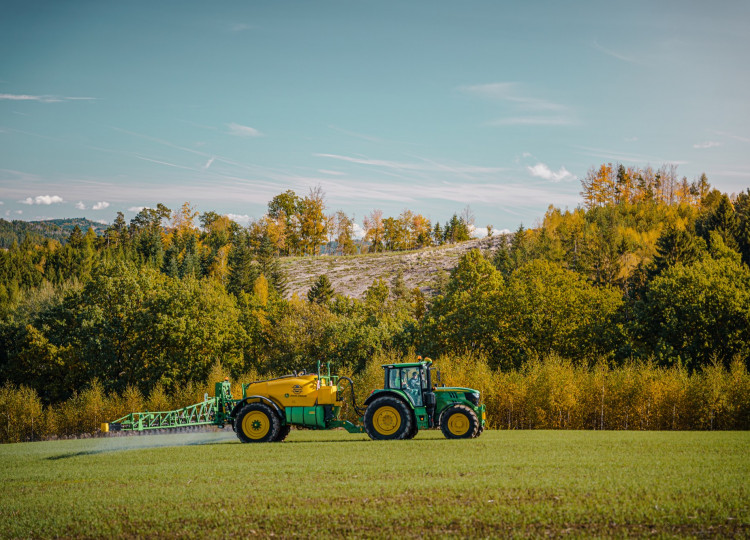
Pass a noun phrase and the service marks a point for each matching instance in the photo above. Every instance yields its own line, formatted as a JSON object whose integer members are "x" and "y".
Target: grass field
{"x": 319, "y": 484}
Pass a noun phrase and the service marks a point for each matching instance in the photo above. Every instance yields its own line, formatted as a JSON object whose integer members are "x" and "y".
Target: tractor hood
{"x": 454, "y": 389}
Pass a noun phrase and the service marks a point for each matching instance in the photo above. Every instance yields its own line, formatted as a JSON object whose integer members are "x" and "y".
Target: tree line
{"x": 155, "y": 303}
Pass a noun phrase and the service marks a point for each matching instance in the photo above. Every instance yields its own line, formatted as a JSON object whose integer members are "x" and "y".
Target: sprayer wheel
{"x": 283, "y": 432}
{"x": 257, "y": 422}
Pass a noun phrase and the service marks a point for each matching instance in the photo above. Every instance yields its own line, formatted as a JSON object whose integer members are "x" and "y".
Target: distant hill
{"x": 40, "y": 231}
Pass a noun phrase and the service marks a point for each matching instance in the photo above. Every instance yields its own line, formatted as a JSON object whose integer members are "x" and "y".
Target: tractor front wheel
{"x": 257, "y": 422}
{"x": 388, "y": 418}
{"x": 459, "y": 422}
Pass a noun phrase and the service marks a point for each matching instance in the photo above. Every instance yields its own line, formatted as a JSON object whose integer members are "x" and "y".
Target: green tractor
{"x": 409, "y": 402}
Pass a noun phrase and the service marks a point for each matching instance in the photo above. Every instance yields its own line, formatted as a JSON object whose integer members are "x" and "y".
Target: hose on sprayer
{"x": 358, "y": 410}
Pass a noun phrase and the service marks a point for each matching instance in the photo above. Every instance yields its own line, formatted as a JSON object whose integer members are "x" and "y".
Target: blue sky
{"x": 426, "y": 105}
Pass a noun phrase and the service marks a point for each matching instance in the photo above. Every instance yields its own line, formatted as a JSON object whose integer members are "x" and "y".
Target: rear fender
{"x": 262, "y": 399}
{"x": 391, "y": 393}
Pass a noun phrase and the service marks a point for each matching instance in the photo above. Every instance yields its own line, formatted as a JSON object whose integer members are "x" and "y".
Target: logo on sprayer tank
{"x": 297, "y": 389}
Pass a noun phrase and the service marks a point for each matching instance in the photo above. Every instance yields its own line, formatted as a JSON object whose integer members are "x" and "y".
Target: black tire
{"x": 257, "y": 422}
{"x": 480, "y": 429}
{"x": 414, "y": 429}
{"x": 283, "y": 432}
{"x": 459, "y": 422}
{"x": 388, "y": 419}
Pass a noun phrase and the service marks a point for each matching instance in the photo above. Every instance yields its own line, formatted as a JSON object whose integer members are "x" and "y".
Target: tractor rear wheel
{"x": 257, "y": 422}
{"x": 388, "y": 418}
{"x": 459, "y": 422}
{"x": 414, "y": 430}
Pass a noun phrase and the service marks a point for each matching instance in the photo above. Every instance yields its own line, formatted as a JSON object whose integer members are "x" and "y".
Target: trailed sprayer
{"x": 411, "y": 399}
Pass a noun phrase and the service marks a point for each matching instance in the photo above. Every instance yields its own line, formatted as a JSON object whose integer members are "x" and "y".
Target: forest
{"x": 631, "y": 311}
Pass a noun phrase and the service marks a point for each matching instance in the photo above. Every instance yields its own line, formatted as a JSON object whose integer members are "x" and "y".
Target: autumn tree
{"x": 374, "y": 229}
{"x": 313, "y": 221}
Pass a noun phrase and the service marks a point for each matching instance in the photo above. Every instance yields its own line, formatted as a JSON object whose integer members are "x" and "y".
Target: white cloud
{"x": 1, "y": 203}
{"x": 102, "y": 221}
{"x": 43, "y": 199}
{"x": 239, "y": 218}
{"x": 208, "y": 163}
{"x": 19, "y": 212}
{"x": 707, "y": 144}
{"x": 631, "y": 139}
{"x": 80, "y": 205}
{"x": 481, "y": 232}
{"x": 136, "y": 208}
{"x": 334, "y": 173}
{"x": 243, "y": 131}
{"x": 358, "y": 231}
{"x": 100, "y": 205}
{"x": 541, "y": 170}
{"x": 43, "y": 98}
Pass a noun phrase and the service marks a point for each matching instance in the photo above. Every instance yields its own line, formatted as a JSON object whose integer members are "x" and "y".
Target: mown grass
{"x": 328, "y": 484}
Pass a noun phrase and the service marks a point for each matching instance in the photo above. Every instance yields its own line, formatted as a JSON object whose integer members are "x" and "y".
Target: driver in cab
{"x": 413, "y": 385}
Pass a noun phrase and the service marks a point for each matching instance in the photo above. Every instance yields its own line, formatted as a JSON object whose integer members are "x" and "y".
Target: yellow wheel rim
{"x": 458, "y": 424}
{"x": 386, "y": 420}
{"x": 255, "y": 425}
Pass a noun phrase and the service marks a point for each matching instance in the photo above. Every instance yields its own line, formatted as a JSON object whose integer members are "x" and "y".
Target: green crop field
{"x": 320, "y": 484}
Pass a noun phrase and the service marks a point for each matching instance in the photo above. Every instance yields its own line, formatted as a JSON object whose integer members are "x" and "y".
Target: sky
{"x": 427, "y": 105}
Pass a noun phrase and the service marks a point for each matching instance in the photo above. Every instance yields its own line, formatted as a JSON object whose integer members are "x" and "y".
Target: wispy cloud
{"x": 707, "y": 144}
{"x": 427, "y": 165}
{"x": 540, "y": 170}
{"x": 624, "y": 157}
{"x": 100, "y": 205}
{"x": 332, "y": 173}
{"x": 136, "y": 208}
{"x": 614, "y": 54}
{"x": 532, "y": 121}
{"x": 243, "y": 131}
{"x": 524, "y": 109}
{"x": 240, "y": 27}
{"x": 167, "y": 163}
{"x": 512, "y": 92}
{"x": 43, "y": 199}
{"x": 43, "y": 98}
{"x": 80, "y": 206}
{"x": 734, "y": 136}
{"x": 208, "y": 163}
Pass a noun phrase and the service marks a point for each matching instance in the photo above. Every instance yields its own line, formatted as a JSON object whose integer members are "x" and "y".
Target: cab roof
{"x": 425, "y": 363}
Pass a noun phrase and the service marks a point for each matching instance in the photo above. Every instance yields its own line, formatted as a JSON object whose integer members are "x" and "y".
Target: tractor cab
{"x": 414, "y": 380}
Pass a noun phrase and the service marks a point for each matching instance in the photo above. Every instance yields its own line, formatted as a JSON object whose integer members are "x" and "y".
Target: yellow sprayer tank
{"x": 306, "y": 400}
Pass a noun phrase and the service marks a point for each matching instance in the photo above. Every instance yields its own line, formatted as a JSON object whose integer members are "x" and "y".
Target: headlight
{"x": 473, "y": 397}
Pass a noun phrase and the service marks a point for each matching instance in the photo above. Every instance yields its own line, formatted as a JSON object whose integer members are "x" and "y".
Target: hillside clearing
{"x": 351, "y": 275}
